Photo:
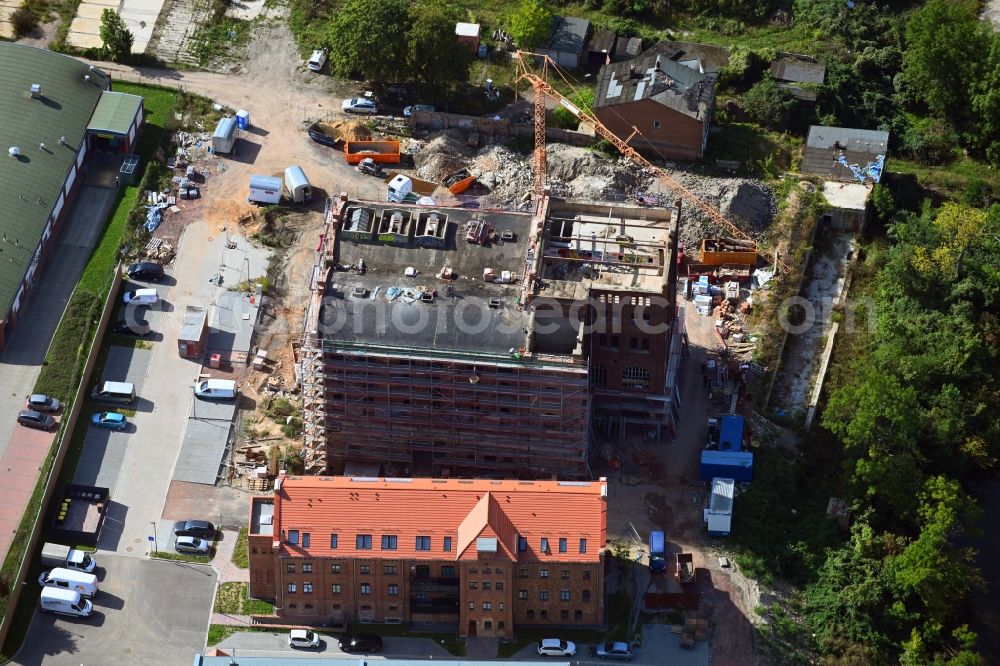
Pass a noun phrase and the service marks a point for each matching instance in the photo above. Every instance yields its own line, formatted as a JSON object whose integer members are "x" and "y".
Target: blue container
{"x": 731, "y": 433}
{"x": 243, "y": 120}
{"x": 736, "y": 465}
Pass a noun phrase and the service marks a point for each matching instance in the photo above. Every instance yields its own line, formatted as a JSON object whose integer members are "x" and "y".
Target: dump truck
{"x": 383, "y": 152}
{"x": 685, "y": 568}
{"x": 58, "y": 555}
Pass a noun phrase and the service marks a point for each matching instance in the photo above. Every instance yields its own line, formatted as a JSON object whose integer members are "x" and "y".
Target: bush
{"x": 769, "y": 104}
{"x": 24, "y": 21}
{"x": 293, "y": 428}
{"x": 282, "y": 407}
{"x": 930, "y": 141}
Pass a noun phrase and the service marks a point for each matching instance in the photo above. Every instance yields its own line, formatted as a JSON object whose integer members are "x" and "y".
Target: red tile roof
{"x": 463, "y": 510}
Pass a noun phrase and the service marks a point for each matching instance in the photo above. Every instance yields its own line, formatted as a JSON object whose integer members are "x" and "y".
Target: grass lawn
{"x": 949, "y": 179}
{"x": 241, "y": 553}
{"x": 232, "y": 599}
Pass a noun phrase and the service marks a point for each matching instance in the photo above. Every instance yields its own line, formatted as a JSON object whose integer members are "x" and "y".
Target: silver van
{"x": 122, "y": 393}
{"x": 65, "y": 602}
{"x": 69, "y": 579}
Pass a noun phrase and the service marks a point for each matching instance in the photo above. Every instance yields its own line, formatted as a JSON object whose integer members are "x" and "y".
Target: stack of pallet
{"x": 695, "y": 629}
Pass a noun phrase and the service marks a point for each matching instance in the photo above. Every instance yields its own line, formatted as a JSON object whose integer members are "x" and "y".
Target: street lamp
{"x": 153, "y": 523}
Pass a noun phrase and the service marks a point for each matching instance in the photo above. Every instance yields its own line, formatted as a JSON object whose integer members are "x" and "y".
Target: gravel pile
{"x": 749, "y": 204}
{"x": 442, "y": 155}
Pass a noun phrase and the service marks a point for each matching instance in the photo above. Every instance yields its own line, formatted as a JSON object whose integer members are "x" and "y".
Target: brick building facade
{"x": 482, "y": 555}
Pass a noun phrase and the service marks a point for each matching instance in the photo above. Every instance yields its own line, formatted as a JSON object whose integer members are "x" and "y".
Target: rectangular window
{"x": 578, "y": 615}
{"x": 420, "y": 596}
{"x": 307, "y": 568}
{"x": 586, "y": 595}
{"x": 335, "y": 568}
{"x": 656, "y": 124}
{"x": 564, "y": 595}
{"x": 543, "y": 595}
{"x": 447, "y": 544}
{"x": 307, "y": 587}
{"x": 305, "y": 539}
{"x": 291, "y": 587}
{"x": 393, "y": 590}
{"x": 544, "y": 614}
{"x": 564, "y": 614}
{"x": 293, "y": 537}
{"x": 522, "y": 594}
{"x": 388, "y": 542}
{"x": 487, "y": 585}
{"x": 633, "y": 343}
{"x": 333, "y": 542}
{"x": 363, "y": 542}
{"x": 448, "y": 570}
{"x": 487, "y": 605}
{"x": 645, "y": 344}
{"x": 473, "y": 585}
{"x": 545, "y": 545}
{"x": 531, "y": 613}
{"x": 562, "y": 545}
{"x": 423, "y": 543}
{"x": 335, "y": 588}
{"x": 564, "y": 574}
{"x": 522, "y": 544}
{"x": 500, "y": 607}
{"x": 583, "y": 546}
{"x": 389, "y": 570}
{"x": 543, "y": 573}
{"x": 524, "y": 573}
{"x": 290, "y": 568}
{"x": 365, "y": 569}
{"x": 586, "y": 574}
{"x": 499, "y": 586}
{"x": 472, "y": 605}
{"x": 366, "y": 588}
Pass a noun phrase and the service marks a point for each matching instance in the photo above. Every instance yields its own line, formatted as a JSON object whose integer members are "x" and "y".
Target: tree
{"x": 116, "y": 36}
{"x": 946, "y": 49}
{"x": 986, "y": 107}
{"x": 367, "y": 38}
{"x": 434, "y": 55}
{"x": 530, "y": 24}
{"x": 24, "y": 20}
{"x": 769, "y": 104}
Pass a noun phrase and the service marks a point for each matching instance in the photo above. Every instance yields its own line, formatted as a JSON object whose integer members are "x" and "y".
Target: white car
{"x": 359, "y": 105}
{"x": 141, "y": 296}
{"x": 317, "y": 60}
{"x": 556, "y": 647}
{"x": 303, "y": 638}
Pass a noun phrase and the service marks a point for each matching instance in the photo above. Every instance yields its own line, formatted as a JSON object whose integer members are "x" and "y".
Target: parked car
{"x": 360, "y": 643}
{"x": 556, "y": 647}
{"x": 614, "y": 650}
{"x": 146, "y": 270}
{"x": 124, "y": 327}
{"x": 33, "y": 419}
{"x": 141, "y": 296}
{"x": 317, "y": 60}
{"x": 40, "y": 402}
{"x": 408, "y": 111}
{"x": 109, "y": 420}
{"x": 195, "y": 528}
{"x": 192, "y": 545}
{"x": 359, "y": 105}
{"x": 303, "y": 638}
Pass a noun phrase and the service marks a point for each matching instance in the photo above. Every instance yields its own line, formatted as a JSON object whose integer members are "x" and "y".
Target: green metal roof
{"x": 114, "y": 113}
{"x": 30, "y": 184}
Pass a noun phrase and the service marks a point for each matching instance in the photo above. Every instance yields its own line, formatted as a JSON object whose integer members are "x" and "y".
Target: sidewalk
{"x": 223, "y": 560}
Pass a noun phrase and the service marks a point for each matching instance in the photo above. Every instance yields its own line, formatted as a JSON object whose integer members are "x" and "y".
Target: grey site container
{"x": 224, "y": 138}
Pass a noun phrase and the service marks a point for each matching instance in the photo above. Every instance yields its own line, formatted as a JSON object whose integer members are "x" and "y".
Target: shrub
{"x": 23, "y": 21}
{"x": 930, "y": 141}
{"x": 769, "y": 104}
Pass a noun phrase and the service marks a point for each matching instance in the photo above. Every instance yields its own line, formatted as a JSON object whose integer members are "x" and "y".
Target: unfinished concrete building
{"x": 452, "y": 342}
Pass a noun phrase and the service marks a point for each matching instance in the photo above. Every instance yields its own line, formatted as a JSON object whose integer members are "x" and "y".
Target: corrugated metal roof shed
{"x": 569, "y": 34}
{"x": 825, "y": 144}
{"x": 193, "y": 324}
{"x": 114, "y": 113}
{"x": 721, "y": 500}
{"x": 30, "y": 184}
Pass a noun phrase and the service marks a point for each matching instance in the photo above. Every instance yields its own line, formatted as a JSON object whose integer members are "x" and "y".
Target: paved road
{"x": 21, "y": 360}
{"x": 147, "y": 612}
{"x": 267, "y": 644}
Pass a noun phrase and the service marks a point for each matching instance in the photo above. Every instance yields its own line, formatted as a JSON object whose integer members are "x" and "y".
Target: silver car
{"x": 191, "y": 545}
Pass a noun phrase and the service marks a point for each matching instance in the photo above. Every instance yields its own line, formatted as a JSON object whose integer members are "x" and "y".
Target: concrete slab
{"x": 85, "y": 26}
{"x": 147, "y": 612}
{"x": 202, "y": 449}
{"x": 90, "y": 10}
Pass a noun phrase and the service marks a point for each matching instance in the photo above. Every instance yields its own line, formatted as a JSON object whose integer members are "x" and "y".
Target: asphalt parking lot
{"x": 274, "y": 644}
{"x": 146, "y": 612}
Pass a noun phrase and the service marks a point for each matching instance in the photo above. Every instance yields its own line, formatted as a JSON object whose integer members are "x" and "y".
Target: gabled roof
{"x": 798, "y": 69}
{"x": 569, "y": 34}
{"x": 603, "y": 41}
{"x": 712, "y": 57}
{"x": 31, "y": 183}
{"x": 627, "y": 48}
{"x": 653, "y": 75}
{"x": 463, "y": 510}
{"x": 114, "y": 113}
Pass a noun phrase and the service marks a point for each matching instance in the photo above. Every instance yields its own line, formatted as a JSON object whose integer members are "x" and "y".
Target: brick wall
{"x": 665, "y": 132}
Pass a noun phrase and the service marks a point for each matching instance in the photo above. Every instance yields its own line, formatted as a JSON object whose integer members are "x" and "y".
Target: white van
{"x": 317, "y": 60}
{"x": 215, "y": 389}
{"x": 65, "y": 602}
{"x": 116, "y": 392}
{"x": 68, "y": 579}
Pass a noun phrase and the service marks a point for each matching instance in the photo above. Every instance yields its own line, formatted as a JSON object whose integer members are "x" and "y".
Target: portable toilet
{"x": 299, "y": 189}
{"x": 243, "y": 119}
{"x": 224, "y": 138}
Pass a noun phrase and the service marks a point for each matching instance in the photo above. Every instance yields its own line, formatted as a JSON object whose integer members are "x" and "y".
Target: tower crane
{"x": 542, "y": 88}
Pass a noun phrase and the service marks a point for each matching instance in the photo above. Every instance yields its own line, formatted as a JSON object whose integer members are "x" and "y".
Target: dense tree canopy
{"x": 368, "y": 38}
{"x": 434, "y": 56}
{"x": 530, "y": 24}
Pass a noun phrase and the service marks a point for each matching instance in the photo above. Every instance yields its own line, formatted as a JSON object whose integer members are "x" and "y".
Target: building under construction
{"x": 453, "y": 342}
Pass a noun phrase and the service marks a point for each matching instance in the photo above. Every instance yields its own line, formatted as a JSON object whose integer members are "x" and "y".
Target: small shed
{"x": 224, "y": 137}
{"x": 601, "y": 47}
{"x": 116, "y": 122}
{"x": 297, "y": 184}
{"x": 191, "y": 339}
{"x": 468, "y": 34}
{"x": 567, "y": 42}
{"x": 719, "y": 514}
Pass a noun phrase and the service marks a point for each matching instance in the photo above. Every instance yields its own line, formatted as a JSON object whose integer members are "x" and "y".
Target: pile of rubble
{"x": 747, "y": 203}
{"x": 441, "y": 155}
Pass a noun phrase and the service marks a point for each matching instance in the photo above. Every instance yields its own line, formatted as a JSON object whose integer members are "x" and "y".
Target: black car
{"x": 146, "y": 270}
{"x": 196, "y": 528}
{"x": 33, "y": 419}
{"x": 124, "y": 327}
{"x": 361, "y": 643}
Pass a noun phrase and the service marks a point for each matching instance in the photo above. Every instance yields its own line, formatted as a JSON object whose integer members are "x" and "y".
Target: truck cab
{"x": 657, "y": 552}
